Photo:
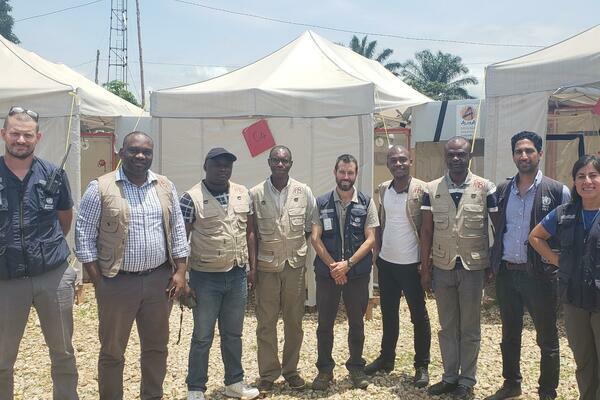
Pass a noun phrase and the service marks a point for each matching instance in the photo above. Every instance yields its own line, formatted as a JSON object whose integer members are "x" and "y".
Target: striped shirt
{"x": 145, "y": 244}
{"x": 189, "y": 210}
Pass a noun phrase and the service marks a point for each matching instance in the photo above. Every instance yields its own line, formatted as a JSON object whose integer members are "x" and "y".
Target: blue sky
{"x": 212, "y": 42}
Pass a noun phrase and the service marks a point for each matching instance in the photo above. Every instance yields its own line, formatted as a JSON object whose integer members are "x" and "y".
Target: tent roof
{"x": 309, "y": 77}
{"x": 24, "y": 72}
{"x": 572, "y": 62}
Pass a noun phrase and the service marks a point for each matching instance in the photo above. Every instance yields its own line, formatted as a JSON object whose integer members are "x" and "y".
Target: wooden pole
{"x": 139, "y": 31}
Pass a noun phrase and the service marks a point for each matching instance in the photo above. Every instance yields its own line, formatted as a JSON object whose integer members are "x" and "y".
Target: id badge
{"x": 327, "y": 224}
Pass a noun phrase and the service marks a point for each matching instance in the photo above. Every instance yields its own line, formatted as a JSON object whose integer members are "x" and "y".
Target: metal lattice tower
{"x": 117, "y": 50}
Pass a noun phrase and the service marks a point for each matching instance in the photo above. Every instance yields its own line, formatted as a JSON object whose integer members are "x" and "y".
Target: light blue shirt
{"x": 518, "y": 218}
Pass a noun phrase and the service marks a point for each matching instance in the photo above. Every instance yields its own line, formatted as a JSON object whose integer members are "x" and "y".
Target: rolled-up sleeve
{"x": 180, "y": 246}
{"x": 86, "y": 226}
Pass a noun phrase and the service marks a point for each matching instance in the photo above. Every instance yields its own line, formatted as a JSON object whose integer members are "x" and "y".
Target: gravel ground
{"x": 32, "y": 370}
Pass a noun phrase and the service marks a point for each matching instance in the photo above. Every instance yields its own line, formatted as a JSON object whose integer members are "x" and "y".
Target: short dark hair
{"x": 592, "y": 160}
{"x": 534, "y": 137}
{"x": 136, "y": 133}
{"x": 346, "y": 159}
{"x": 275, "y": 149}
{"x": 457, "y": 139}
{"x": 21, "y": 117}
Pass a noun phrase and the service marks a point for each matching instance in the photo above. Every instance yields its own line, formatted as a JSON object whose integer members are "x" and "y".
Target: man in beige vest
{"x": 284, "y": 209}
{"x": 454, "y": 233}
{"x": 130, "y": 237}
{"x": 397, "y": 258}
{"x": 219, "y": 219}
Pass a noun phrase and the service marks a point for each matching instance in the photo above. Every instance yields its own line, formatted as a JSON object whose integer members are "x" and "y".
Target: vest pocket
{"x": 109, "y": 220}
{"x": 296, "y": 216}
{"x": 266, "y": 226}
{"x": 440, "y": 220}
{"x": 266, "y": 256}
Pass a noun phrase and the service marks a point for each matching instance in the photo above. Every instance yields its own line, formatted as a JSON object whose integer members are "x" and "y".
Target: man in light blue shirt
{"x": 524, "y": 279}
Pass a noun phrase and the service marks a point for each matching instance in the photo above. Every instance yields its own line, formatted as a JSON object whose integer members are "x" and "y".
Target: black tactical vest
{"x": 31, "y": 239}
{"x": 579, "y": 272}
{"x": 354, "y": 234}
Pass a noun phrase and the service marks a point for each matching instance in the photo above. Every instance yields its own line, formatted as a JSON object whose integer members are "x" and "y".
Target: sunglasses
{"x": 20, "y": 110}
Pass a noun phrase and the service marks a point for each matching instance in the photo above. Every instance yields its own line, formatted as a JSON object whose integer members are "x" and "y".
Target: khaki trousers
{"x": 279, "y": 291}
{"x": 121, "y": 300}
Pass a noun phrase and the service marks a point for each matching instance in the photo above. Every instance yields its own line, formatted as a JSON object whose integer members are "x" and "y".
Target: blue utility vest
{"x": 31, "y": 239}
{"x": 354, "y": 234}
{"x": 579, "y": 260}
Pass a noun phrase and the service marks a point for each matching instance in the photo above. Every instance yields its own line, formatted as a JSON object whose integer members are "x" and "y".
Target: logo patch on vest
{"x": 417, "y": 191}
{"x": 546, "y": 201}
{"x": 297, "y": 190}
{"x": 479, "y": 184}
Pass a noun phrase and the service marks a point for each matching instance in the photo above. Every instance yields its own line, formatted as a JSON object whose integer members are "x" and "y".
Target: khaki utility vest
{"x": 460, "y": 231}
{"x": 416, "y": 188}
{"x": 280, "y": 235}
{"x": 218, "y": 237}
{"x": 114, "y": 221}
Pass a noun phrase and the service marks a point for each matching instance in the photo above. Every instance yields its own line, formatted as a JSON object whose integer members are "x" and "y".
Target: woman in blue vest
{"x": 577, "y": 227}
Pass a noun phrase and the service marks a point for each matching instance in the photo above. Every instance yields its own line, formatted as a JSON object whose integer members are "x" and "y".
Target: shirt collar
{"x": 120, "y": 176}
{"x": 273, "y": 188}
{"x": 391, "y": 186}
{"x": 451, "y": 183}
{"x": 336, "y": 196}
{"x": 536, "y": 182}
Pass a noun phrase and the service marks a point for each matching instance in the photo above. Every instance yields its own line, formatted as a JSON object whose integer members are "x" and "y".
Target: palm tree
{"x": 441, "y": 76}
{"x": 367, "y": 49}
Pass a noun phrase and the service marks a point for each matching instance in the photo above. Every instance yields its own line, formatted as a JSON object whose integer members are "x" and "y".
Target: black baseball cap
{"x": 218, "y": 152}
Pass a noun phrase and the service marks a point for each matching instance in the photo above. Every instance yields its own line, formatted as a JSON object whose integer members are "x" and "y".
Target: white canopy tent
{"x": 518, "y": 90}
{"x": 317, "y": 98}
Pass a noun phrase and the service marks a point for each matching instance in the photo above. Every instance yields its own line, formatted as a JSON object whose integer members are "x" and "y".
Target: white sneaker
{"x": 240, "y": 390}
{"x": 195, "y": 395}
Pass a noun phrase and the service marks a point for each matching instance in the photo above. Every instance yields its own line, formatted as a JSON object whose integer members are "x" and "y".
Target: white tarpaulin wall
{"x": 315, "y": 144}
{"x": 517, "y": 92}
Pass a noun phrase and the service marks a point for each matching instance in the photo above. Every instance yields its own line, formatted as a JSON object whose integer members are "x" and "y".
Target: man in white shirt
{"x": 397, "y": 258}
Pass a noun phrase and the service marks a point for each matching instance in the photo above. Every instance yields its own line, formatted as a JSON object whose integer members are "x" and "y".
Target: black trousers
{"x": 356, "y": 297}
{"x": 515, "y": 291}
{"x": 395, "y": 280}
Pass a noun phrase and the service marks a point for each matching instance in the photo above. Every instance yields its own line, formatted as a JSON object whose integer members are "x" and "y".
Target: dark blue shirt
{"x": 550, "y": 222}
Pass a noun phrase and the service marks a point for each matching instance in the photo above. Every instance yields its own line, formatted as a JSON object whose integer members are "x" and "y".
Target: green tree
{"x": 367, "y": 49}
{"x": 7, "y": 22}
{"x": 441, "y": 76}
{"x": 120, "y": 89}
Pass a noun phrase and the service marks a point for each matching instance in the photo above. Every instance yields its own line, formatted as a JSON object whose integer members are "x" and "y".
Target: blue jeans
{"x": 221, "y": 296}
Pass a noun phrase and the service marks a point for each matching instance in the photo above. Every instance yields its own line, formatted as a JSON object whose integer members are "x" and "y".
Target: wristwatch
{"x": 350, "y": 263}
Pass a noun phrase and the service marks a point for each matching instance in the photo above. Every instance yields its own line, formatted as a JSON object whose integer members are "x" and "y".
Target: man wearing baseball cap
{"x": 219, "y": 219}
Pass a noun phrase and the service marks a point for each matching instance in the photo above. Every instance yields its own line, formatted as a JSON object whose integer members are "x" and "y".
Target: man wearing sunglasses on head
{"x": 284, "y": 209}
{"x": 35, "y": 217}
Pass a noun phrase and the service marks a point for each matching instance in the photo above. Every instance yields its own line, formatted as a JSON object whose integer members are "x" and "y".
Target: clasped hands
{"x": 338, "y": 271}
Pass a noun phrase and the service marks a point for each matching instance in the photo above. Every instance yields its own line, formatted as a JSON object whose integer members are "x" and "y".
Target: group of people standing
{"x": 140, "y": 243}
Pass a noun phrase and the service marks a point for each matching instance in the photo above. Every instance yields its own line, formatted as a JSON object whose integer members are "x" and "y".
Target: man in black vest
{"x": 523, "y": 278}
{"x": 35, "y": 217}
{"x": 343, "y": 235}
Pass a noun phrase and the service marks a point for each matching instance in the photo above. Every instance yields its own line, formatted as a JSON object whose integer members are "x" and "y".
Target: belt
{"x": 516, "y": 267}
{"x": 142, "y": 273}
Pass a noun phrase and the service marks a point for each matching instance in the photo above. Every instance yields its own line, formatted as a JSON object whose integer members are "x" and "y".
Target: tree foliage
{"x": 367, "y": 49}
{"x": 120, "y": 89}
{"x": 7, "y": 22}
{"x": 441, "y": 76}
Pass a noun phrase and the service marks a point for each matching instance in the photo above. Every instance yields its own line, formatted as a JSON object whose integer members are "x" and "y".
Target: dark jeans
{"x": 221, "y": 299}
{"x": 395, "y": 280}
{"x": 356, "y": 297}
{"x": 515, "y": 291}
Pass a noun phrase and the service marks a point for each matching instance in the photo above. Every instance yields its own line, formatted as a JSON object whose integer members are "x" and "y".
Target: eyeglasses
{"x": 276, "y": 161}
{"x": 20, "y": 110}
